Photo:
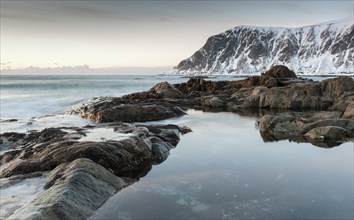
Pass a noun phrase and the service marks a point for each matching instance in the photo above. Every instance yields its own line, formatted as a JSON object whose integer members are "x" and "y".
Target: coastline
{"x": 153, "y": 143}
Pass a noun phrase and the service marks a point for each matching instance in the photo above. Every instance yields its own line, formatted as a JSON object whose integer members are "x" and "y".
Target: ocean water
{"x": 222, "y": 170}
{"x": 39, "y": 101}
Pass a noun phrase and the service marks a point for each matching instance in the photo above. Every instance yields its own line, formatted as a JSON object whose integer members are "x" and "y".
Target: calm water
{"x": 222, "y": 170}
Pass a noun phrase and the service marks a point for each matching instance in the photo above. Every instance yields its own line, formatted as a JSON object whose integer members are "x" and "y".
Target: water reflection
{"x": 224, "y": 170}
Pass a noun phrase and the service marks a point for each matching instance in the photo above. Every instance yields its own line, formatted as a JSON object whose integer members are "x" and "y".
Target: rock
{"x": 332, "y": 133}
{"x": 324, "y": 122}
{"x": 280, "y": 72}
{"x": 349, "y": 112}
{"x": 134, "y": 113}
{"x": 166, "y": 90}
{"x": 268, "y": 81}
{"x": 291, "y": 97}
{"x": 168, "y": 133}
{"x": 75, "y": 191}
{"x": 160, "y": 150}
{"x": 213, "y": 102}
{"x": 307, "y": 127}
{"x": 129, "y": 157}
{"x": 337, "y": 86}
{"x": 199, "y": 86}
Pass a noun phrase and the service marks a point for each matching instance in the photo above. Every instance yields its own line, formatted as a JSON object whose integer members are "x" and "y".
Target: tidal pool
{"x": 224, "y": 170}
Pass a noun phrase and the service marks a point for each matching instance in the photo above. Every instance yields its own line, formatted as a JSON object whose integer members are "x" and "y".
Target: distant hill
{"x": 326, "y": 48}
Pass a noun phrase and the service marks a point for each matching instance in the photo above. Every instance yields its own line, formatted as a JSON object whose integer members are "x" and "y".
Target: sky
{"x": 100, "y": 34}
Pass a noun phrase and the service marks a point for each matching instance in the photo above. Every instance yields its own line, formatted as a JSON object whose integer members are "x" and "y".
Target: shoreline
{"x": 56, "y": 150}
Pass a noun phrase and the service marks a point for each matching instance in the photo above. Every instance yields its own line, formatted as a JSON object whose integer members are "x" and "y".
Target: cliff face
{"x": 326, "y": 48}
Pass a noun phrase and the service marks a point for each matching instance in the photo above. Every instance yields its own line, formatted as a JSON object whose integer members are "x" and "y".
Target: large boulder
{"x": 280, "y": 72}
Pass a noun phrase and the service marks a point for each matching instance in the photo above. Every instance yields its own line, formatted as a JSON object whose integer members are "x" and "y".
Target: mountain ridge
{"x": 325, "y": 48}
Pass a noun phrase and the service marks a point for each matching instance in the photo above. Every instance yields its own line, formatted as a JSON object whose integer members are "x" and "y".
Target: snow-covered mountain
{"x": 326, "y": 48}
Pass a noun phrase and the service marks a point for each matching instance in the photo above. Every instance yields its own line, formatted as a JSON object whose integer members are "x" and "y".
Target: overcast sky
{"x": 138, "y": 33}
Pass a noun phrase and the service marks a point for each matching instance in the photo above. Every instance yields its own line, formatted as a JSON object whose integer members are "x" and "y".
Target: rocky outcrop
{"x": 82, "y": 174}
{"x": 107, "y": 109}
{"x": 276, "y": 90}
{"x": 130, "y": 157}
{"x": 325, "y": 129}
{"x": 303, "y": 96}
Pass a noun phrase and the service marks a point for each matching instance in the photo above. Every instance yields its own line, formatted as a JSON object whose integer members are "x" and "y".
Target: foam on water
{"x": 39, "y": 123}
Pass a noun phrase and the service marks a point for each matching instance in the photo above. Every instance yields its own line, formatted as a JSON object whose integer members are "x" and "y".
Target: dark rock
{"x": 160, "y": 150}
{"x": 130, "y": 157}
{"x": 138, "y": 112}
{"x": 280, "y": 72}
{"x": 10, "y": 120}
{"x": 47, "y": 134}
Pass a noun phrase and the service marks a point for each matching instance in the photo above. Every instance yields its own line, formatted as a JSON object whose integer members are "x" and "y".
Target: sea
{"x": 221, "y": 170}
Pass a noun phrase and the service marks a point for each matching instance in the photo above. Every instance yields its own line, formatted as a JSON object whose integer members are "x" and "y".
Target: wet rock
{"x": 12, "y": 136}
{"x": 76, "y": 190}
{"x": 160, "y": 150}
{"x": 10, "y": 120}
{"x": 168, "y": 133}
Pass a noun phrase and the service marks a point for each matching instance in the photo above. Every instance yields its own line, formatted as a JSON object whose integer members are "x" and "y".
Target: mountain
{"x": 326, "y": 48}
